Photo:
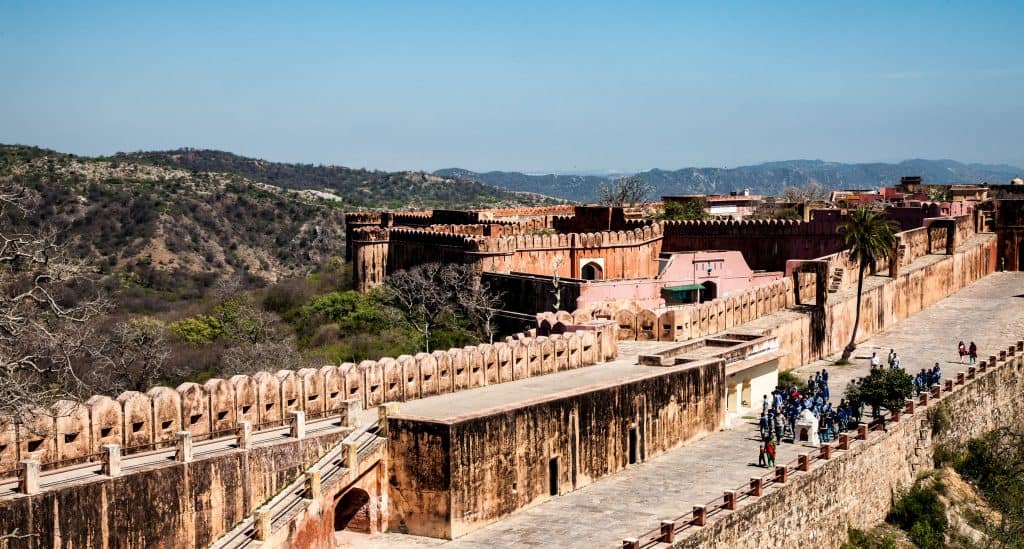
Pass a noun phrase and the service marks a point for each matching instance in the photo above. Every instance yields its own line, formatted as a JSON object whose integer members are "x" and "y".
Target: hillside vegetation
{"x": 355, "y": 188}
{"x": 190, "y": 273}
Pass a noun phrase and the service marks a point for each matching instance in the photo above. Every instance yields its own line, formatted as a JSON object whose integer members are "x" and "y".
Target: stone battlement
{"x": 141, "y": 421}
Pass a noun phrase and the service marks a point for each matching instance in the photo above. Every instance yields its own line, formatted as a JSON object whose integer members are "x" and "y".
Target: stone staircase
{"x": 836, "y": 280}
{"x": 924, "y": 439}
{"x": 275, "y": 514}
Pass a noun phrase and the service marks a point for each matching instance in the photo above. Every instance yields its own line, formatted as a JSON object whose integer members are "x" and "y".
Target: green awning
{"x": 684, "y": 288}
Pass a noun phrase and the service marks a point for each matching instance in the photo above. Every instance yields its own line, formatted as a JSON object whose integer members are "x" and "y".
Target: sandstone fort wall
{"x": 449, "y": 478}
{"x": 856, "y": 488}
{"x": 169, "y": 505}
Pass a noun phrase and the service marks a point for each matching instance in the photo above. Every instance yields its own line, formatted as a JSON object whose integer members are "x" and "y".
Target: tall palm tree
{"x": 870, "y": 238}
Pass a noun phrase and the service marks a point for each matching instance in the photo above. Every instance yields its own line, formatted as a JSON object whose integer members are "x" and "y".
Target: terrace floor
{"x": 989, "y": 312}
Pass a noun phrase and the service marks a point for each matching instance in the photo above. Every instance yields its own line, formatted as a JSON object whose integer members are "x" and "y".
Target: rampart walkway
{"x": 988, "y": 312}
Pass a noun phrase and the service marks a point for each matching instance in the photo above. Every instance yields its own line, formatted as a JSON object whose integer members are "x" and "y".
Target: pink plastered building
{"x": 683, "y": 277}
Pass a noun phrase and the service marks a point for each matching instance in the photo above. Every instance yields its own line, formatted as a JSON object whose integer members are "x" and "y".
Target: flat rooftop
{"x": 453, "y": 406}
{"x": 679, "y": 356}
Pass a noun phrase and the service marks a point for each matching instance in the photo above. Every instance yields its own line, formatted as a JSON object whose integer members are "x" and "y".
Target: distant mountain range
{"x": 767, "y": 179}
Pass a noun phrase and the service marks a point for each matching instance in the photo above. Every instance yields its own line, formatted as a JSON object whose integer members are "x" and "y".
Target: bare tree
{"x": 424, "y": 296}
{"x": 44, "y": 324}
{"x": 626, "y": 191}
{"x": 134, "y": 357}
{"x": 428, "y": 295}
{"x": 809, "y": 192}
{"x": 269, "y": 356}
{"x": 481, "y": 305}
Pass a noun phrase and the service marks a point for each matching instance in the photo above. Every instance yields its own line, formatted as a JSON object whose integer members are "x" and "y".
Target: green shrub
{"x": 939, "y": 419}
{"x": 788, "y": 379}
{"x": 922, "y": 515}
{"x": 859, "y": 539}
{"x": 198, "y": 329}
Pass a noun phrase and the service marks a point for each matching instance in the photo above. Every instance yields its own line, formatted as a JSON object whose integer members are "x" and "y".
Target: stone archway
{"x": 592, "y": 271}
{"x": 352, "y": 512}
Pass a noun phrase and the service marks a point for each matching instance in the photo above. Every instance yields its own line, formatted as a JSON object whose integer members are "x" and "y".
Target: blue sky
{"x": 529, "y": 86}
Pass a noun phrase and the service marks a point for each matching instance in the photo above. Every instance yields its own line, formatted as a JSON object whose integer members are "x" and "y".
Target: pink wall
{"x": 729, "y": 271}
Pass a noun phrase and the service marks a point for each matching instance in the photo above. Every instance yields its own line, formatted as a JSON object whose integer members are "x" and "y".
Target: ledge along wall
{"x": 856, "y": 488}
{"x": 449, "y": 477}
{"x": 167, "y": 505}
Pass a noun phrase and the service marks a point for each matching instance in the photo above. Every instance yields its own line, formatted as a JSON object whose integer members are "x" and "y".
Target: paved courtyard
{"x": 989, "y": 312}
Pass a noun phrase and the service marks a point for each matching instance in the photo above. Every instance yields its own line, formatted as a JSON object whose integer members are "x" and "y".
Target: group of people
{"x": 927, "y": 378}
{"x": 787, "y": 406}
{"x": 970, "y": 351}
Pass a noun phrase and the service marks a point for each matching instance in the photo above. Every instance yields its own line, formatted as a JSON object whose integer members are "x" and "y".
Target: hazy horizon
{"x": 533, "y": 87}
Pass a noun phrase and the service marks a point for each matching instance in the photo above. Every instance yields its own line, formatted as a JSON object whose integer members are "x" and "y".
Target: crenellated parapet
{"x": 69, "y": 432}
{"x": 683, "y": 322}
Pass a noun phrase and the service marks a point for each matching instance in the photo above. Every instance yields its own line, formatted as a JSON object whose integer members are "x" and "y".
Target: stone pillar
{"x": 312, "y": 485}
{"x": 862, "y": 432}
{"x": 971, "y": 371}
{"x": 781, "y": 474}
{"x": 111, "y": 465}
{"x": 826, "y": 450}
{"x": 803, "y": 462}
{"x": 668, "y": 531}
{"x": 949, "y": 385}
{"x": 261, "y": 524}
{"x": 298, "y": 424}
{"x": 700, "y": 515}
{"x": 730, "y": 500}
{"x": 910, "y": 406}
{"x": 351, "y": 450}
{"x": 350, "y": 409}
{"x": 383, "y": 411}
{"x": 844, "y": 441}
{"x": 630, "y": 543}
{"x": 756, "y": 486}
{"x": 183, "y": 453}
{"x": 960, "y": 377}
{"x": 924, "y": 399}
{"x": 28, "y": 476}
{"x": 244, "y": 433}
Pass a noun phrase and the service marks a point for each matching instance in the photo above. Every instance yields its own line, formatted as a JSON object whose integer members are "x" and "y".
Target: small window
{"x": 105, "y": 432}
{"x": 193, "y": 419}
{"x": 334, "y": 395}
{"x": 245, "y": 409}
{"x": 137, "y": 426}
{"x": 291, "y": 402}
{"x": 221, "y": 416}
{"x": 165, "y": 425}
{"x": 34, "y": 445}
{"x": 69, "y": 438}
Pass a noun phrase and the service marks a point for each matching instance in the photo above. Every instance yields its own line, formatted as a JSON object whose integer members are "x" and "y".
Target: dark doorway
{"x": 632, "y": 445}
{"x": 709, "y": 292}
{"x": 352, "y": 512}
{"x": 592, "y": 271}
{"x": 553, "y": 476}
